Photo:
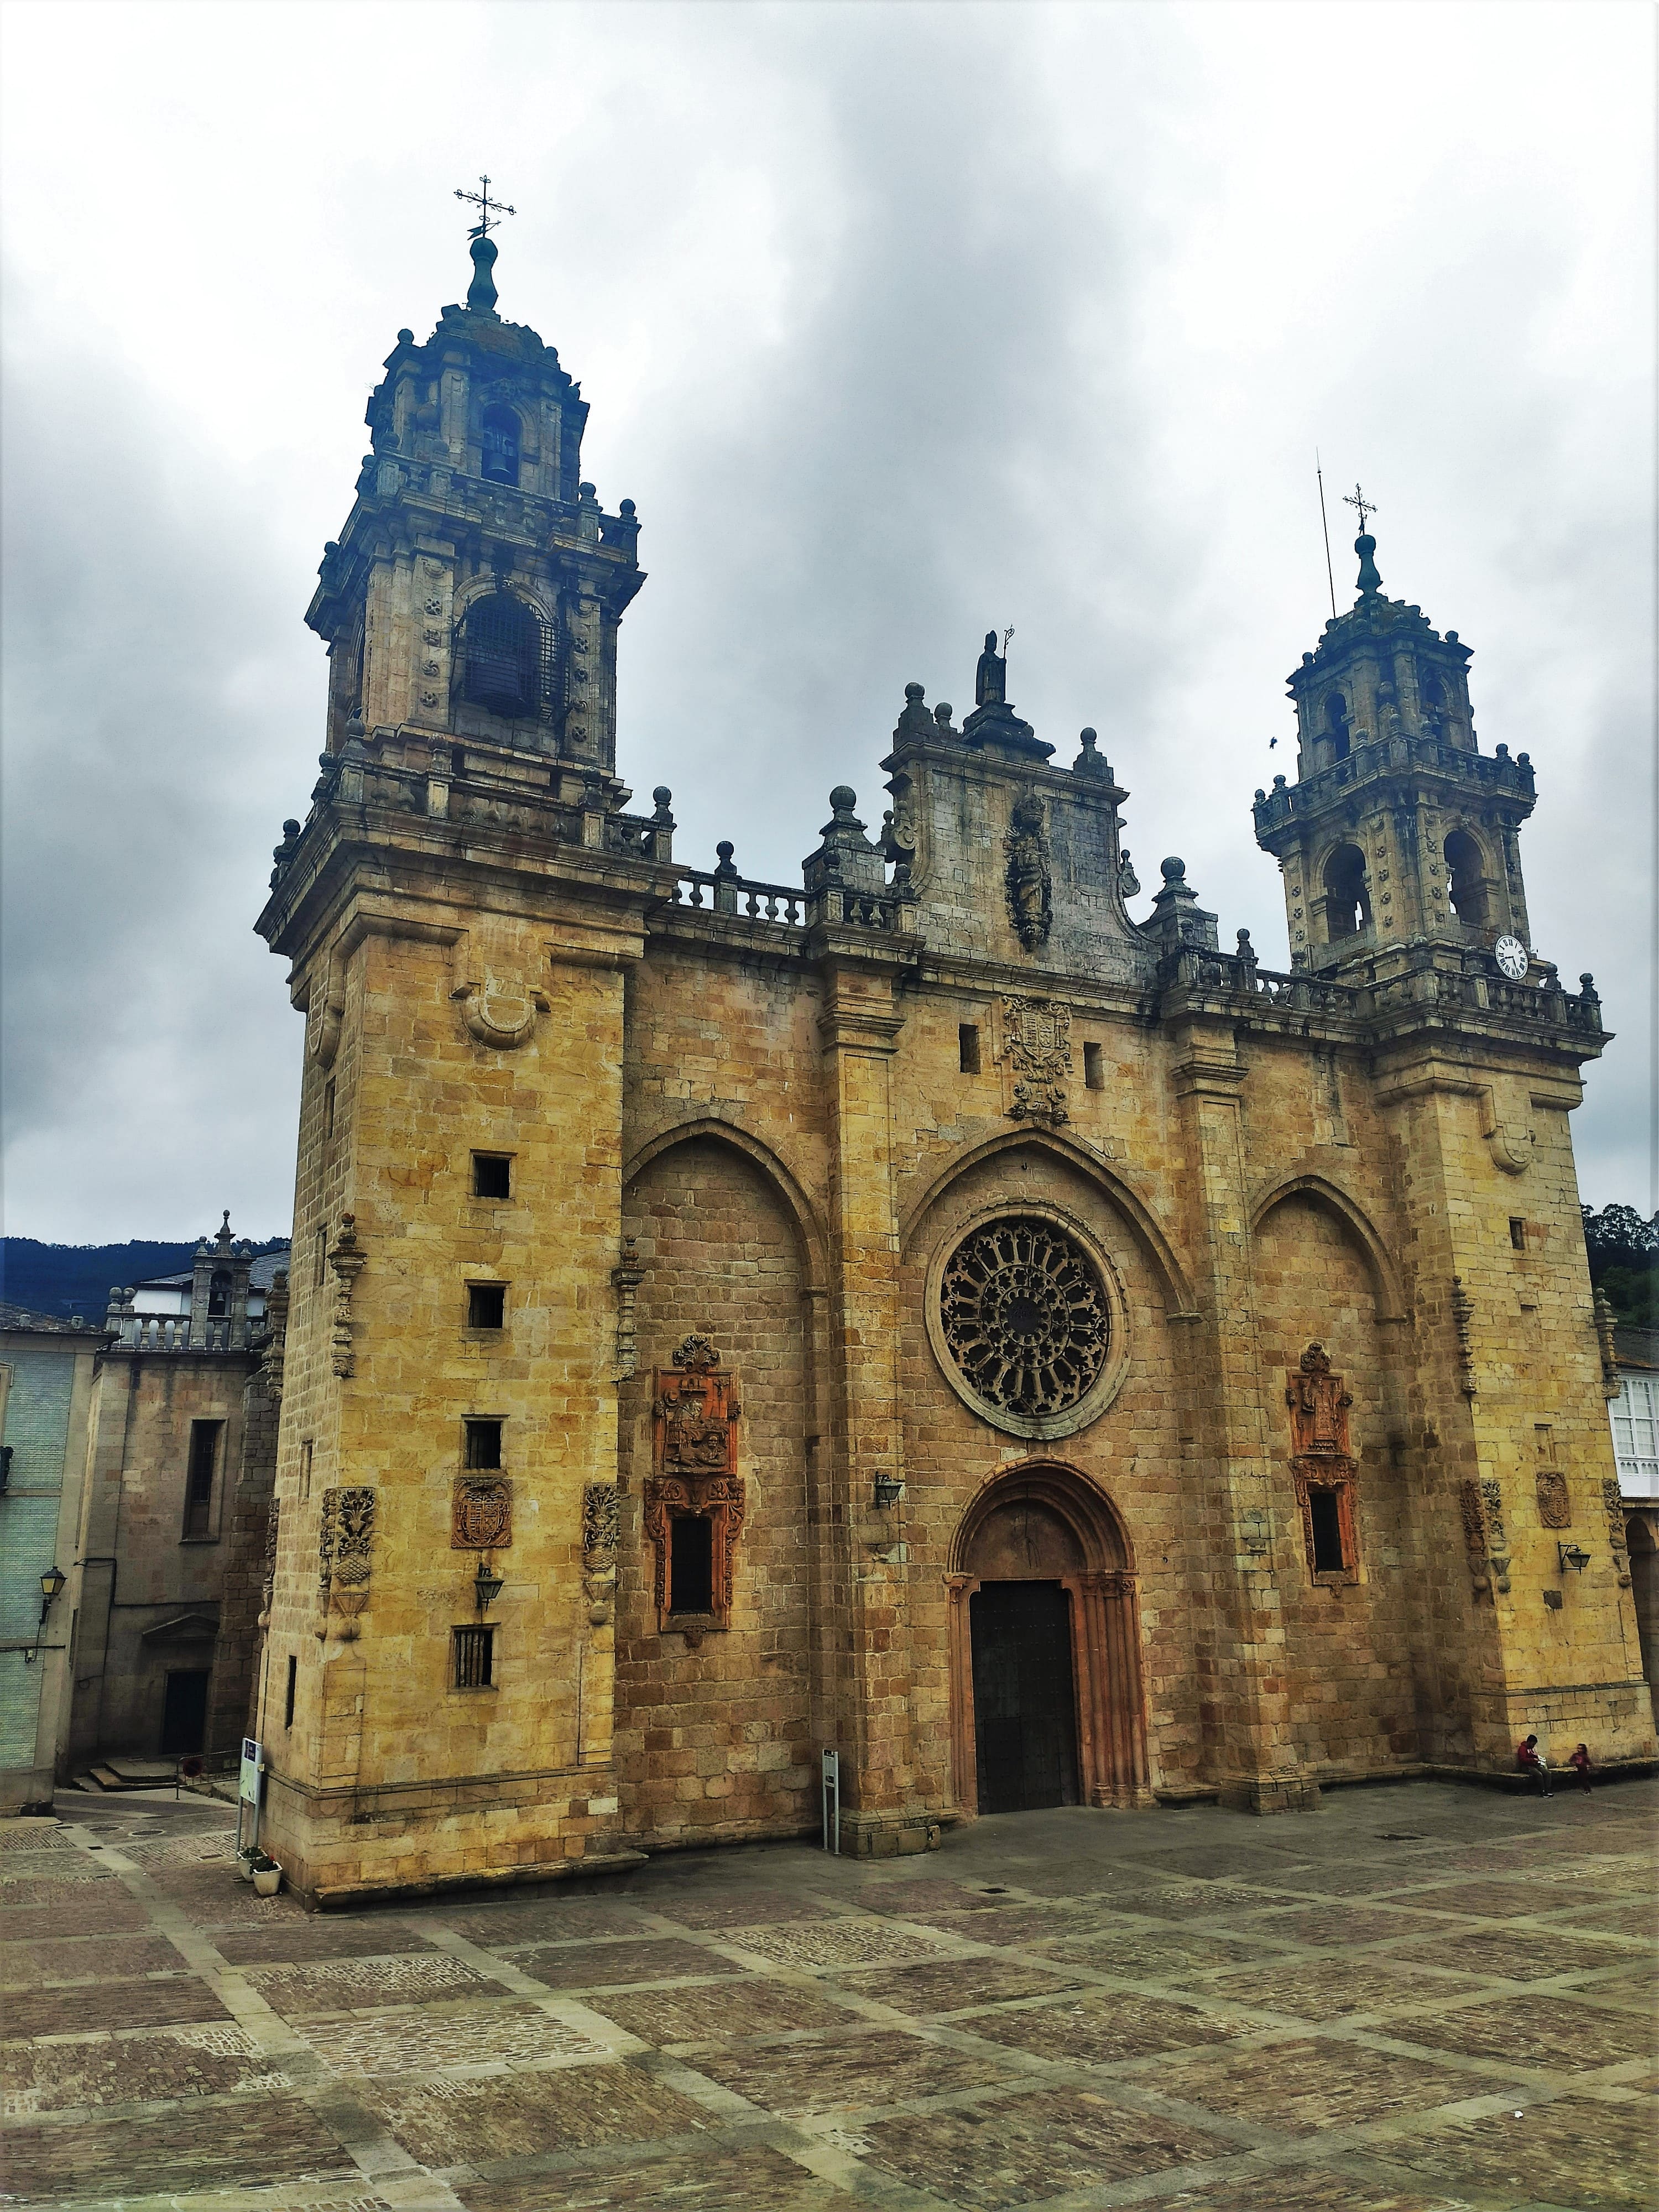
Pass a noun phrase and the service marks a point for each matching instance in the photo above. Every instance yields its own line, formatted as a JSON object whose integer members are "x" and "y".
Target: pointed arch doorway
{"x": 1048, "y": 1705}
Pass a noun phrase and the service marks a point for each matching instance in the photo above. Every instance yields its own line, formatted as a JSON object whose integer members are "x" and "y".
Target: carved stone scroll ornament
{"x": 1036, "y": 1044}
{"x": 345, "y": 1548}
{"x": 1618, "y": 1537}
{"x": 481, "y": 1513}
{"x": 268, "y": 1572}
{"x": 346, "y": 1260}
{"x": 498, "y": 1013}
{"x": 277, "y": 1303}
{"x": 627, "y": 1280}
{"x": 1462, "y": 1314}
{"x": 1030, "y": 880}
{"x": 1474, "y": 1537}
{"x": 694, "y": 1455}
{"x": 1497, "y": 1542}
{"x": 601, "y": 1518}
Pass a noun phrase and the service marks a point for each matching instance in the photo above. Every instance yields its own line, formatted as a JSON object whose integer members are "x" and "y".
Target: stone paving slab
{"x": 1068, "y": 2010}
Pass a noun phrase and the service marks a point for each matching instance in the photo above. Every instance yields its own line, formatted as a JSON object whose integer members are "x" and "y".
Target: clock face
{"x": 1511, "y": 956}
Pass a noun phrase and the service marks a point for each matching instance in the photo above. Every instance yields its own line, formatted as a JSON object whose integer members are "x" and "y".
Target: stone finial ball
{"x": 725, "y": 849}
{"x": 843, "y": 798}
{"x": 1173, "y": 870}
{"x": 628, "y": 508}
{"x": 585, "y": 491}
{"x": 915, "y": 692}
{"x": 405, "y": 338}
{"x": 662, "y": 794}
{"x": 1260, "y": 794}
{"x": 1586, "y": 984}
{"x": 290, "y": 828}
{"x": 943, "y": 712}
{"x": 1087, "y": 737}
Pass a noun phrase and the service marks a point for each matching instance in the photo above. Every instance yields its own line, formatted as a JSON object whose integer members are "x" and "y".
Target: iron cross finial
{"x": 490, "y": 211}
{"x": 1358, "y": 500}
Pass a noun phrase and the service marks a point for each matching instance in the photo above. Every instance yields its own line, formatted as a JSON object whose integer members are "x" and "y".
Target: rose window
{"x": 1024, "y": 1316}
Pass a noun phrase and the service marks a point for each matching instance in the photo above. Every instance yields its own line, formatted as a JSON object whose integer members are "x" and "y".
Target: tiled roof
{"x": 39, "y": 1324}
{"x": 1636, "y": 1347}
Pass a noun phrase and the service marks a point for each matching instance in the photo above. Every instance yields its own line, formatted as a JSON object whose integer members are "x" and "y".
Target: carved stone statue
{"x": 1030, "y": 883}
{"x": 991, "y": 676}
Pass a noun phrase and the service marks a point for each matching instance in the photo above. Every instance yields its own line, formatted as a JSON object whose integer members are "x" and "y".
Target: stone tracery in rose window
{"x": 1025, "y": 1317}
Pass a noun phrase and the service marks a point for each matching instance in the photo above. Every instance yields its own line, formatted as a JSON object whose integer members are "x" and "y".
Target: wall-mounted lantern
{"x": 487, "y": 1587}
{"x": 1572, "y": 1556}
{"x": 889, "y": 1491}
{"x": 50, "y": 1584}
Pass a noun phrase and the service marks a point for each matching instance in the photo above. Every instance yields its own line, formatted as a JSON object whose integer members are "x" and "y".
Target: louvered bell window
{"x": 503, "y": 655}
{"x": 499, "y": 433}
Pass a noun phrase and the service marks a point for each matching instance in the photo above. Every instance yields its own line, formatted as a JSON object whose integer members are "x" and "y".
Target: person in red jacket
{"x": 1531, "y": 1760}
{"x": 1580, "y": 1764}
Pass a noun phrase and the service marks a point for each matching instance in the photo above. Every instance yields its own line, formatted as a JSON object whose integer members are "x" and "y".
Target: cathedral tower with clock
{"x": 926, "y": 1312}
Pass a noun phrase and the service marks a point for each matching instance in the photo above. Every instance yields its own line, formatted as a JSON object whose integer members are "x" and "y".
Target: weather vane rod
{"x": 490, "y": 211}
{"x": 1330, "y": 573}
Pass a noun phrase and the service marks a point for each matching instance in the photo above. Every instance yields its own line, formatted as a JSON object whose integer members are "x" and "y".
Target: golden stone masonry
{"x": 922, "y": 1313}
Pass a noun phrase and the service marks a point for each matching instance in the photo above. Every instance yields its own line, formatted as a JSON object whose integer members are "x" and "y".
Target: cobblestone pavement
{"x": 1417, "y": 1999}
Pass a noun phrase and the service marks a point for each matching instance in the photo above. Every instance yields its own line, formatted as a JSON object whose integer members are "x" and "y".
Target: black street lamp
{"x": 487, "y": 1587}
{"x": 50, "y": 1584}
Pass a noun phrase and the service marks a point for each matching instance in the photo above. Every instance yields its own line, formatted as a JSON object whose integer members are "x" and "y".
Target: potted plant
{"x": 267, "y": 1875}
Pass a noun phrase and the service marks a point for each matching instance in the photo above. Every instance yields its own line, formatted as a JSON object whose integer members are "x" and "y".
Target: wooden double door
{"x": 1024, "y": 1702}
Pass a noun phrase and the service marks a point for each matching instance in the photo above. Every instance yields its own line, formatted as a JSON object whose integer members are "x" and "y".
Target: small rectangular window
{"x": 1325, "y": 1518}
{"x": 304, "y": 1470}
{"x": 492, "y": 1174}
{"x": 484, "y": 1443}
{"x": 1094, "y": 1070}
{"x": 968, "y": 1048}
{"x": 691, "y": 1564}
{"x": 475, "y": 1658}
{"x": 486, "y": 1305}
{"x": 328, "y": 1109}
{"x": 1517, "y": 1233}
{"x": 198, "y": 1481}
{"x": 287, "y": 1696}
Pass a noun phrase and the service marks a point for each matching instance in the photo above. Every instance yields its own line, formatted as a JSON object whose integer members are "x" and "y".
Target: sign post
{"x": 832, "y": 1802}
{"x": 248, "y": 1797}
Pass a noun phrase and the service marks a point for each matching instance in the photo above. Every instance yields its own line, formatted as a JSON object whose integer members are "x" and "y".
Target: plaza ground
{"x": 1344, "y": 2011}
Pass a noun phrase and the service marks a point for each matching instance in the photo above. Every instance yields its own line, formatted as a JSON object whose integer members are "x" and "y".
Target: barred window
{"x": 503, "y": 654}
{"x": 475, "y": 1658}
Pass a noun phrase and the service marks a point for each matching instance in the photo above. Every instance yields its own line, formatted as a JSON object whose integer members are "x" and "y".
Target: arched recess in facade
{"x": 1044, "y": 1520}
{"x": 1144, "y": 1225}
{"x": 1321, "y": 1191}
{"x": 796, "y": 1207}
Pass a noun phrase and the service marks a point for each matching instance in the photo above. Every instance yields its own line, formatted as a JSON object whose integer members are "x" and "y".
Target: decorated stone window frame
{"x": 1326, "y": 1476}
{"x": 694, "y": 1416}
{"x": 1323, "y": 1462}
{"x": 1095, "y": 1401}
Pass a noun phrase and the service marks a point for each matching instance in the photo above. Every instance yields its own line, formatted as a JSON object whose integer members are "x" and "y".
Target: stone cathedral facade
{"x": 922, "y": 1311}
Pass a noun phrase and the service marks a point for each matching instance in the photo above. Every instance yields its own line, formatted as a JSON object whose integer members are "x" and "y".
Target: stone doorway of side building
{"x": 1048, "y": 1699}
{"x": 184, "y": 1711}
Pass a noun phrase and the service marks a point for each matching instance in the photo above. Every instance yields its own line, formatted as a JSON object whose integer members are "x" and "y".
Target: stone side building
{"x": 180, "y": 1457}
{"x": 921, "y": 1312}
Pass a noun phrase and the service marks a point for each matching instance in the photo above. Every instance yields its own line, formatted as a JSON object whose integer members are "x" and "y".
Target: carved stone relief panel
{"x": 600, "y": 1525}
{"x": 1323, "y": 1467}
{"x": 1036, "y": 1052}
{"x": 1030, "y": 877}
{"x": 481, "y": 1513}
{"x": 344, "y": 1551}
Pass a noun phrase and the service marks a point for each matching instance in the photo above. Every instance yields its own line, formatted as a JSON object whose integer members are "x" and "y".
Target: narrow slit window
{"x": 305, "y": 1469}
{"x": 198, "y": 1481}
{"x": 1517, "y": 1232}
{"x": 484, "y": 1443}
{"x": 486, "y": 1305}
{"x": 691, "y": 1564}
{"x": 968, "y": 1048}
{"x": 1325, "y": 1520}
{"x": 475, "y": 1658}
{"x": 328, "y": 1109}
{"x": 289, "y": 1694}
{"x": 492, "y": 1174}
{"x": 1094, "y": 1067}
{"x": 319, "y": 1269}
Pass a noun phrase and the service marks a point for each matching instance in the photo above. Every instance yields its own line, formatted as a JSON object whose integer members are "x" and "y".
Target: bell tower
{"x": 474, "y": 595}
{"x": 1398, "y": 830}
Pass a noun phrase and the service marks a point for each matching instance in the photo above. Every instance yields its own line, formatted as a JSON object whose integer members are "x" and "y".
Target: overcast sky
{"x": 899, "y": 322}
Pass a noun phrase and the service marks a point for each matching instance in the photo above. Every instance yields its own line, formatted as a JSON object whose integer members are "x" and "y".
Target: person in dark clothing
{"x": 1531, "y": 1760}
{"x": 1580, "y": 1764}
